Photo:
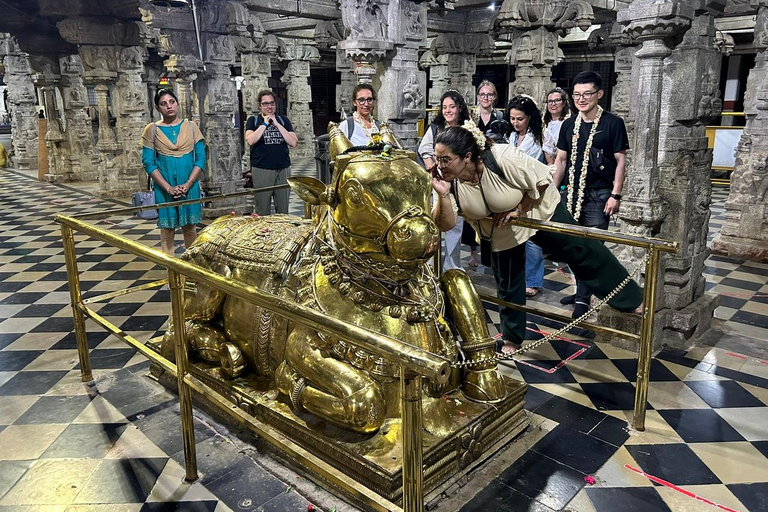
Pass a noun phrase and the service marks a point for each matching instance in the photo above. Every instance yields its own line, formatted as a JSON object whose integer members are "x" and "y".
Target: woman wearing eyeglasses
{"x": 486, "y": 101}
{"x": 524, "y": 117}
{"x": 269, "y": 136}
{"x": 491, "y": 184}
{"x": 558, "y": 110}
{"x": 453, "y": 112}
{"x": 173, "y": 155}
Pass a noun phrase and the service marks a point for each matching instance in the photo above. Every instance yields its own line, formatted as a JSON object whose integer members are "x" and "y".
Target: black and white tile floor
{"x": 115, "y": 445}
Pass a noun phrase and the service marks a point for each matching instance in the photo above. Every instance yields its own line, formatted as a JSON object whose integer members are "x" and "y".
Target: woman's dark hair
{"x": 463, "y": 109}
{"x": 460, "y": 141}
{"x": 265, "y": 92}
{"x": 360, "y": 87}
{"x": 566, "y": 105}
{"x": 527, "y": 106}
{"x": 162, "y": 92}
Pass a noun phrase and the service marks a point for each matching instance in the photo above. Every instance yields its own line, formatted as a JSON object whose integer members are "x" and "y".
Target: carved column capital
{"x": 557, "y": 15}
{"x": 648, "y": 20}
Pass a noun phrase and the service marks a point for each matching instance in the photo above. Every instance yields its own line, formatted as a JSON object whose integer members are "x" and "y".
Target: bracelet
{"x": 616, "y": 196}
{"x": 445, "y": 195}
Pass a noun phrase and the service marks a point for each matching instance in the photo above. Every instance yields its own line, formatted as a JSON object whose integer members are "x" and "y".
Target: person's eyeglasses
{"x": 444, "y": 161}
{"x": 587, "y": 95}
{"x": 559, "y": 100}
{"x": 364, "y": 100}
{"x": 267, "y": 103}
{"x": 486, "y": 95}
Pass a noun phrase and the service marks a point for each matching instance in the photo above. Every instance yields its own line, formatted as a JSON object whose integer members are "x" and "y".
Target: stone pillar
{"x": 257, "y": 68}
{"x": 441, "y": 79}
{"x": 461, "y": 51}
{"x": 223, "y": 175}
{"x": 21, "y": 104}
{"x": 391, "y": 32}
{"x": 667, "y": 190}
{"x": 745, "y": 231}
{"x": 100, "y": 64}
{"x": 533, "y": 27}
{"x": 296, "y": 78}
{"x": 46, "y": 77}
{"x": 129, "y": 106}
{"x": 82, "y": 160}
{"x": 347, "y": 85}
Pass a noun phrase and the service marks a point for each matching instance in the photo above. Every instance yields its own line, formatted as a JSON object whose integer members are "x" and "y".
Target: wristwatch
{"x": 616, "y": 196}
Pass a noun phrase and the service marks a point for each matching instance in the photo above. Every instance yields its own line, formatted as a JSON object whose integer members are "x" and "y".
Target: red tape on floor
{"x": 678, "y": 489}
{"x": 559, "y": 365}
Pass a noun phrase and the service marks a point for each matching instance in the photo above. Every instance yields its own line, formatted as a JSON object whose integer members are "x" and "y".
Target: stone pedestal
{"x": 296, "y": 79}
{"x": 745, "y": 231}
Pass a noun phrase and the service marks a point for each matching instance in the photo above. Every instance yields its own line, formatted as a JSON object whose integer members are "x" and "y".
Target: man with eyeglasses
{"x": 361, "y": 125}
{"x": 269, "y": 136}
{"x": 590, "y": 165}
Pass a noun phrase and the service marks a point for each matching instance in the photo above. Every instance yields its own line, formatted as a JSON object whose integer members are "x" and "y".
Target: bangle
{"x": 265, "y": 124}
{"x": 616, "y": 196}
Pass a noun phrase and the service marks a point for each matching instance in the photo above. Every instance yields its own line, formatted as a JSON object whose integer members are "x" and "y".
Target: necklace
{"x": 584, "y": 164}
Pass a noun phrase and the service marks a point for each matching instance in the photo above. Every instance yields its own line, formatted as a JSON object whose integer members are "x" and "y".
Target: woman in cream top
{"x": 490, "y": 188}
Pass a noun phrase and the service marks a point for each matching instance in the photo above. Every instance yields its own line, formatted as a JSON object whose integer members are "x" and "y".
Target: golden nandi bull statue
{"x": 363, "y": 259}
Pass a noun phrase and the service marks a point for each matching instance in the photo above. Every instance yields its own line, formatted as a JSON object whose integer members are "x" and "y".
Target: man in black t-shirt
{"x": 595, "y": 197}
{"x": 270, "y": 136}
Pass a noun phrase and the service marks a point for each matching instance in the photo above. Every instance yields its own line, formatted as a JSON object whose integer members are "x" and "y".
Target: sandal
{"x": 532, "y": 292}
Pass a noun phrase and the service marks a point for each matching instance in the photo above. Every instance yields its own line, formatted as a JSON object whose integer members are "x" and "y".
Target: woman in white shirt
{"x": 525, "y": 118}
{"x": 558, "y": 110}
{"x": 453, "y": 112}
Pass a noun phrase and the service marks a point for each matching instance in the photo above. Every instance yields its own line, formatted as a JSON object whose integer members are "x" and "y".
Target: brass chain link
{"x": 553, "y": 335}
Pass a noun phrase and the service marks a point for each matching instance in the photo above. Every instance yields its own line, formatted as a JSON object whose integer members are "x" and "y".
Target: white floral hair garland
{"x": 470, "y": 126}
{"x": 584, "y": 164}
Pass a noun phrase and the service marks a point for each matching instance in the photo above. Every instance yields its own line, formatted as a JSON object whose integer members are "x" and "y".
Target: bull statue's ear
{"x": 311, "y": 190}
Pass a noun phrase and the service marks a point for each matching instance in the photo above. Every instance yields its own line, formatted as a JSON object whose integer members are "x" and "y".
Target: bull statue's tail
{"x": 482, "y": 381}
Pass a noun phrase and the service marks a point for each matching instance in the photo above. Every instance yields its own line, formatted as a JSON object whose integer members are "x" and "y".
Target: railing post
{"x": 646, "y": 339}
{"x": 73, "y": 277}
{"x": 413, "y": 485}
{"x": 175, "y": 280}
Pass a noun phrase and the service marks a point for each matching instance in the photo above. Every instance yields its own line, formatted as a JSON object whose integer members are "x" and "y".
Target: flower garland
{"x": 360, "y": 121}
{"x": 472, "y": 128}
{"x": 584, "y": 164}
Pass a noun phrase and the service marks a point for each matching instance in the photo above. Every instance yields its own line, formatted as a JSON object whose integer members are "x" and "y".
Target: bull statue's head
{"x": 377, "y": 203}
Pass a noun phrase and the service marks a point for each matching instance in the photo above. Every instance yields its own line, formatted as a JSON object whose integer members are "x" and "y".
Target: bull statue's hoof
{"x": 485, "y": 386}
{"x": 232, "y": 360}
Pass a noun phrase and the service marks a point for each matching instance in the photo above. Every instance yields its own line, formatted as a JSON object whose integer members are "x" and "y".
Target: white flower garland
{"x": 470, "y": 126}
{"x": 584, "y": 164}
{"x": 361, "y": 122}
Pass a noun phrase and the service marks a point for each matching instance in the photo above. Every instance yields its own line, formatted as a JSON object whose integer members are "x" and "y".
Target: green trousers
{"x": 590, "y": 261}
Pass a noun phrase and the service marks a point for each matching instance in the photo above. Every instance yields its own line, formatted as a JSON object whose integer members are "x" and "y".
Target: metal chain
{"x": 553, "y": 335}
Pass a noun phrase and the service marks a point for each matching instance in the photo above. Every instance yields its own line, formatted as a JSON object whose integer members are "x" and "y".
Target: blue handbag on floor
{"x": 145, "y": 198}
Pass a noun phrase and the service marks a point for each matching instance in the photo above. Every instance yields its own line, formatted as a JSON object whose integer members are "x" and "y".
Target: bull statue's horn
{"x": 388, "y": 136}
{"x": 338, "y": 142}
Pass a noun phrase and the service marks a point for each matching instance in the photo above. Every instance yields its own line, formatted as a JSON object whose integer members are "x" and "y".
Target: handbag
{"x": 146, "y": 197}
{"x": 248, "y": 180}
{"x": 602, "y": 165}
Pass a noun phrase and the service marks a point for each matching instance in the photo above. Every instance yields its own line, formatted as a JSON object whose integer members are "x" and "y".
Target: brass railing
{"x": 645, "y": 337}
{"x": 414, "y": 362}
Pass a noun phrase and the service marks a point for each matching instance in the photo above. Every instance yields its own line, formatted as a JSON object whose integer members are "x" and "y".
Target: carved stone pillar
{"x": 462, "y": 51}
{"x": 745, "y": 231}
{"x": 393, "y": 32}
{"x": 45, "y": 75}
{"x": 83, "y": 162}
{"x": 667, "y": 190}
{"x": 129, "y": 107}
{"x": 347, "y": 85}
{"x": 533, "y": 26}
{"x": 223, "y": 174}
{"x": 21, "y": 104}
{"x": 440, "y": 76}
{"x": 296, "y": 78}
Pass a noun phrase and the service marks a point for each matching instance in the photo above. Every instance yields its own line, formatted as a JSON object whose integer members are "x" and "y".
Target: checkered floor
{"x": 115, "y": 444}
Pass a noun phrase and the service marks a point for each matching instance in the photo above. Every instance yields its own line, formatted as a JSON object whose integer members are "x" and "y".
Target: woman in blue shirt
{"x": 173, "y": 154}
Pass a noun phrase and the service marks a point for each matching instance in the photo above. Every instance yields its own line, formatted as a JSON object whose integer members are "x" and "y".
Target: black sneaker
{"x": 568, "y": 299}
{"x": 579, "y": 309}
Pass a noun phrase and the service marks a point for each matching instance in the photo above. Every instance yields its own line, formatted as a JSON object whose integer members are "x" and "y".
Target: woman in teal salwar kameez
{"x": 173, "y": 154}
